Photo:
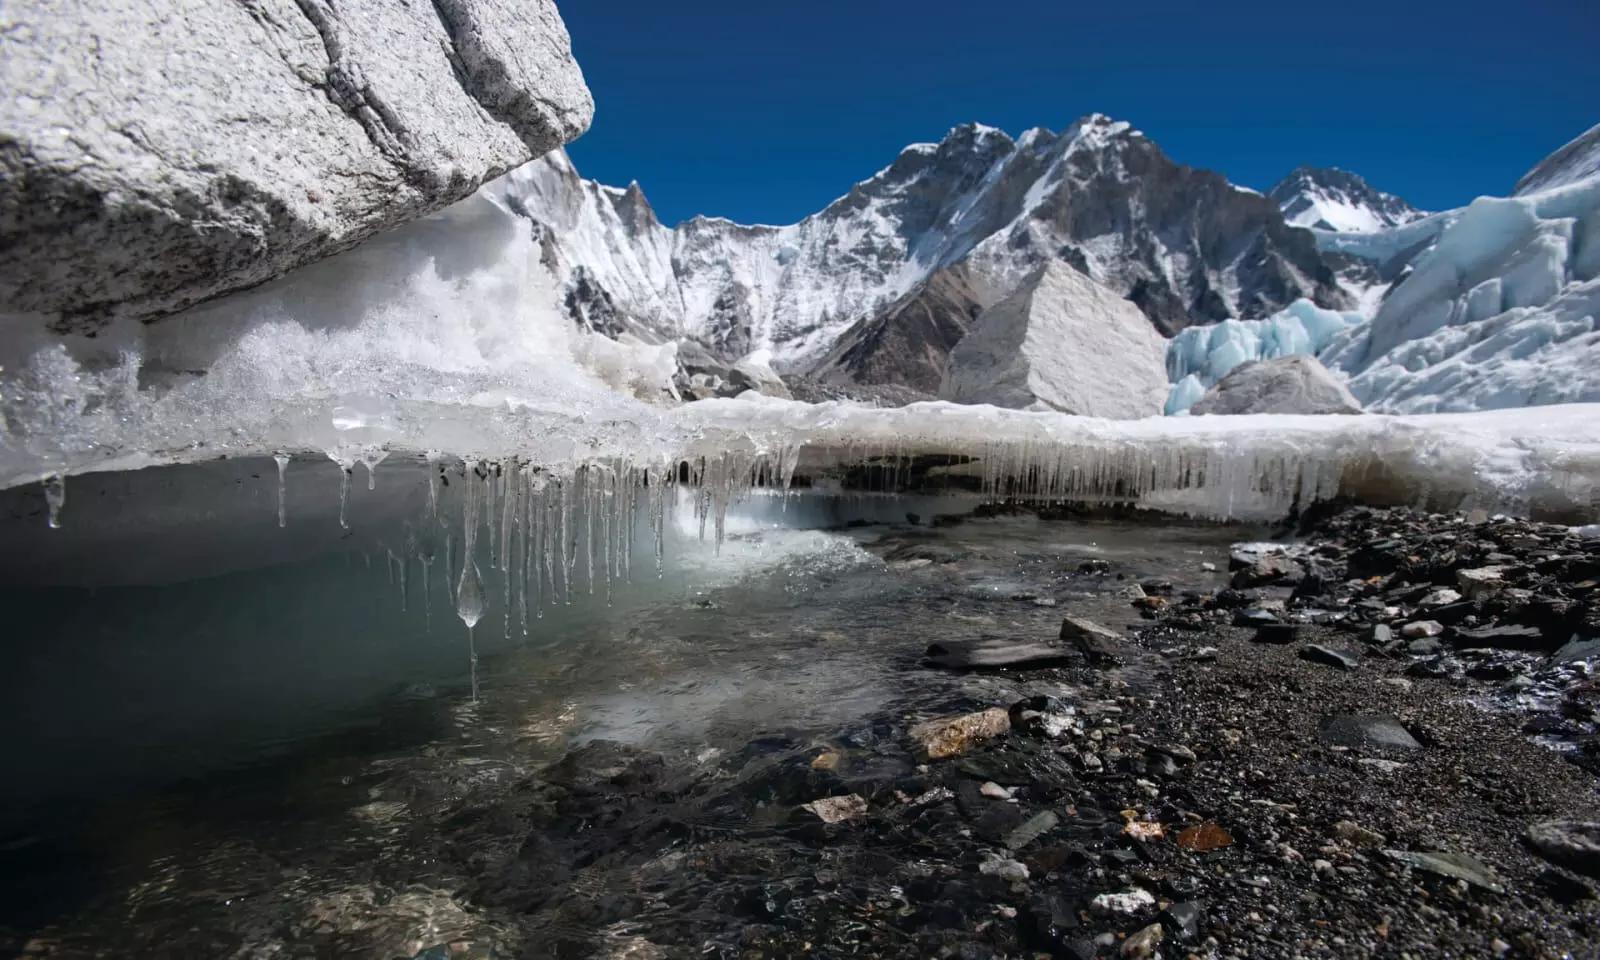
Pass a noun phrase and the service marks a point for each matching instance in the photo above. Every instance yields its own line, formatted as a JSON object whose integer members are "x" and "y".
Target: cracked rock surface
{"x": 157, "y": 154}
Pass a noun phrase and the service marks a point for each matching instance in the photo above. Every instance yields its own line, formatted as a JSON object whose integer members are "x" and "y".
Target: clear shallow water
{"x": 254, "y": 763}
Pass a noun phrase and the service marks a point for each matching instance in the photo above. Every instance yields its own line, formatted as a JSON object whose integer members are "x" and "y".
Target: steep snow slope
{"x": 1182, "y": 244}
{"x": 1336, "y": 200}
{"x": 1060, "y": 342}
{"x": 1578, "y": 160}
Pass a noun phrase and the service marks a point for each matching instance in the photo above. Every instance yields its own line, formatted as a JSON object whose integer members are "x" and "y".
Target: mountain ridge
{"x": 1183, "y": 244}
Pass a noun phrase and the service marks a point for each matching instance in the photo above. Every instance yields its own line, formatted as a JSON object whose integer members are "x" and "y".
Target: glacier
{"x": 1492, "y": 306}
{"x": 445, "y": 342}
{"x": 1199, "y": 357}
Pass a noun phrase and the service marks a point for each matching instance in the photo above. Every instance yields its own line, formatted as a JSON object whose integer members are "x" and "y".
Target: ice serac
{"x": 1501, "y": 311}
{"x": 1199, "y": 357}
{"x": 1292, "y": 384}
{"x": 157, "y": 154}
{"x": 1337, "y": 200}
{"x": 911, "y": 254}
{"x": 1061, "y": 342}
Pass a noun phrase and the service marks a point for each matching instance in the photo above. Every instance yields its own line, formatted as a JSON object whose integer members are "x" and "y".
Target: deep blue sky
{"x": 764, "y": 111}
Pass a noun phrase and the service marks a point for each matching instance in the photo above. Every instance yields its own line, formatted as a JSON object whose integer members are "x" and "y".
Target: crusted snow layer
{"x": 1062, "y": 342}
{"x": 1502, "y": 311}
{"x": 1543, "y": 459}
{"x": 1211, "y": 352}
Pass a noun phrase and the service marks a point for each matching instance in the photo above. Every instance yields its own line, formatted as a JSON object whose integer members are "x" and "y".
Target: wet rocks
{"x": 1099, "y": 645}
{"x": 1182, "y": 919}
{"x": 1367, "y": 731}
{"x": 837, "y": 809}
{"x": 994, "y": 653}
{"x": 1509, "y": 636}
{"x": 945, "y": 737}
{"x": 1570, "y": 843}
{"x": 1032, "y": 829}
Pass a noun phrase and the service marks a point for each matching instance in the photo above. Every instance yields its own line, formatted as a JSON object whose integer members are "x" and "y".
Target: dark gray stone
{"x": 1570, "y": 843}
{"x": 1367, "y": 731}
{"x": 1316, "y": 653}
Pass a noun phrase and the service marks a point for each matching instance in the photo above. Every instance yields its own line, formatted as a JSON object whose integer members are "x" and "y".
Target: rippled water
{"x": 253, "y": 764}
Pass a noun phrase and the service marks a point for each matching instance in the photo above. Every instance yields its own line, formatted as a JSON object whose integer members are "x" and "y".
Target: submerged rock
{"x": 1455, "y": 866}
{"x": 162, "y": 153}
{"x": 945, "y": 737}
{"x": 994, "y": 654}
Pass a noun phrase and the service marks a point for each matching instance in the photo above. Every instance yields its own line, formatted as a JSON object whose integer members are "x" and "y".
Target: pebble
{"x": 994, "y": 791}
{"x": 837, "y": 809}
{"x": 1142, "y": 945}
{"x": 1418, "y": 629}
{"x": 1440, "y": 597}
{"x": 1130, "y": 901}
{"x": 1009, "y": 870}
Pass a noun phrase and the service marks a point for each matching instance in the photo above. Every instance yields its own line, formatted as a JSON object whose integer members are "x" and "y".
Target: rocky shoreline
{"x": 1278, "y": 769}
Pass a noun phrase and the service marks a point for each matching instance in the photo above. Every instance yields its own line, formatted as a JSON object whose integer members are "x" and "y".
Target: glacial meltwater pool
{"x": 227, "y": 738}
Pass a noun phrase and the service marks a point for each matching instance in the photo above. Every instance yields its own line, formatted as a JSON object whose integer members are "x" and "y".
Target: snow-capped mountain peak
{"x": 1337, "y": 200}
{"x": 1179, "y": 243}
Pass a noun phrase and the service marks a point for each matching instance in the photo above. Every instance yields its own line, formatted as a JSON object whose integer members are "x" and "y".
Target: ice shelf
{"x": 443, "y": 340}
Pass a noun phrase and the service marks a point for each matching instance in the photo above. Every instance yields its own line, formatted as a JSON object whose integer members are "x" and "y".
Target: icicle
{"x": 427, "y": 594}
{"x": 490, "y": 475}
{"x": 344, "y": 495}
{"x": 470, "y": 604}
{"x": 282, "y": 459}
{"x": 55, "y": 496}
{"x": 509, "y": 503}
{"x": 450, "y": 566}
{"x": 370, "y": 458}
{"x": 433, "y": 482}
